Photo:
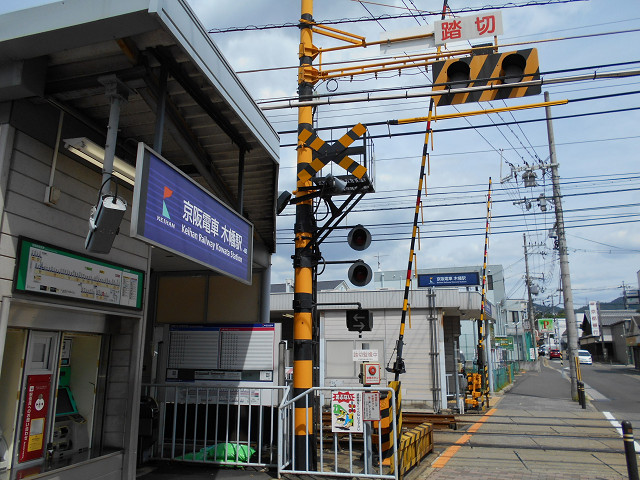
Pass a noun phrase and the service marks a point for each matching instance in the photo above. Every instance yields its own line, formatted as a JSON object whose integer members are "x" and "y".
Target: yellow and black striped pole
{"x": 304, "y": 264}
{"x": 482, "y": 365}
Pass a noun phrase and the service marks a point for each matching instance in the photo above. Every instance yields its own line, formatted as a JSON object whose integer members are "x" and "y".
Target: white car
{"x": 584, "y": 357}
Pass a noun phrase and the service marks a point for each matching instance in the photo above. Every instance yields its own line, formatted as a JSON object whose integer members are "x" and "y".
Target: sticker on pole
{"x": 346, "y": 412}
{"x": 371, "y": 403}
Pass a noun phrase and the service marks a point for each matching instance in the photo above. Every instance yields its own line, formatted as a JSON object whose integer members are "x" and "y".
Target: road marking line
{"x": 616, "y": 424}
{"x": 448, "y": 454}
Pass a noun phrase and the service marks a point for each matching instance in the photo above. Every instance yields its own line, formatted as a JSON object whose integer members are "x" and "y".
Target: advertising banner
{"x": 595, "y": 321}
{"x": 34, "y": 420}
{"x": 546, "y": 325}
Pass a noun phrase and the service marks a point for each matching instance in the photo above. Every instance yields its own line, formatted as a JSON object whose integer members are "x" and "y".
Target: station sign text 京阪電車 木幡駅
{"x": 448, "y": 279}
{"x": 173, "y": 212}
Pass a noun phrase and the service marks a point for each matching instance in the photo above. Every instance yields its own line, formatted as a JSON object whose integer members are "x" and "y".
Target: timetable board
{"x": 240, "y": 352}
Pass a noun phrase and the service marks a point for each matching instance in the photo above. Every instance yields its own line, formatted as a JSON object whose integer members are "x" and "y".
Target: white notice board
{"x": 202, "y": 352}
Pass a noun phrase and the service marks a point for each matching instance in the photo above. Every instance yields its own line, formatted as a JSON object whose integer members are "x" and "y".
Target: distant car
{"x": 555, "y": 353}
{"x": 584, "y": 357}
{"x": 542, "y": 350}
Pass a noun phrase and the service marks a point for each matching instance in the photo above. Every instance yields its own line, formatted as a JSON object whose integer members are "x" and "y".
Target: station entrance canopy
{"x": 213, "y": 131}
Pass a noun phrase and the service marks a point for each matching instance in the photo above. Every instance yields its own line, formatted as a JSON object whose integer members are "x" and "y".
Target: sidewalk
{"x": 533, "y": 431}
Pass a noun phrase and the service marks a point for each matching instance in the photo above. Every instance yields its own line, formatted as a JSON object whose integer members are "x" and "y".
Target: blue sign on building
{"x": 173, "y": 212}
{"x": 448, "y": 279}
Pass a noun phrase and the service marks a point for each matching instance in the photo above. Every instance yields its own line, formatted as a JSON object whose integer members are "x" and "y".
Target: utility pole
{"x": 565, "y": 277}
{"x": 529, "y": 301}
{"x": 304, "y": 264}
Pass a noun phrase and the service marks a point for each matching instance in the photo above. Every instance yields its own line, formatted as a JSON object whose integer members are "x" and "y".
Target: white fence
{"x": 256, "y": 427}
{"x": 336, "y": 453}
{"x": 220, "y": 425}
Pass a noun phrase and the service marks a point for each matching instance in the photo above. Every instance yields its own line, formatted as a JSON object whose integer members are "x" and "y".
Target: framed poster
{"x": 346, "y": 412}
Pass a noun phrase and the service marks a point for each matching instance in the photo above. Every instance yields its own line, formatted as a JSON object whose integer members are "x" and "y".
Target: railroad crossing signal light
{"x": 359, "y": 320}
{"x": 494, "y": 69}
{"x": 360, "y": 274}
{"x": 359, "y": 238}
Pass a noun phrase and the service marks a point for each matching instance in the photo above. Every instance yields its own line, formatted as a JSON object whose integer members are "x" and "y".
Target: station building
{"x": 431, "y": 328}
{"x": 84, "y": 83}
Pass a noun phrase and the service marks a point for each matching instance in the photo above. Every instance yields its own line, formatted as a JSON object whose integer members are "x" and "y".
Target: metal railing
{"x": 337, "y": 453}
{"x": 504, "y": 375}
{"x": 221, "y": 425}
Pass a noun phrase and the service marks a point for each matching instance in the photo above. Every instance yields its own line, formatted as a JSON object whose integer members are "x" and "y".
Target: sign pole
{"x": 368, "y": 451}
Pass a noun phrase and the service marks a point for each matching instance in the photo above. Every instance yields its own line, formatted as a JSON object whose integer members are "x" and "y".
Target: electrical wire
{"x": 391, "y": 17}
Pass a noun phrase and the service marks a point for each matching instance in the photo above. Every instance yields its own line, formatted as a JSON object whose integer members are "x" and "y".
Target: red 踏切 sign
{"x": 34, "y": 419}
{"x": 484, "y": 24}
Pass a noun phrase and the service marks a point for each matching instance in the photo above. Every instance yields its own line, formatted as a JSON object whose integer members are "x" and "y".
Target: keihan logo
{"x": 167, "y": 193}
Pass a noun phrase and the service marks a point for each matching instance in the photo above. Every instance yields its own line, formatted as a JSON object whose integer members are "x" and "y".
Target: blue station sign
{"x": 173, "y": 212}
{"x": 448, "y": 279}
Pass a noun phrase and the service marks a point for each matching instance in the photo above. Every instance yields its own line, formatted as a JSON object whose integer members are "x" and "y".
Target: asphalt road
{"x": 612, "y": 388}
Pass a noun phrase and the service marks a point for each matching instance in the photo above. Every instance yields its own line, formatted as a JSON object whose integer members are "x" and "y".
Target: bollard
{"x": 630, "y": 450}
{"x": 581, "y": 395}
{"x": 579, "y": 383}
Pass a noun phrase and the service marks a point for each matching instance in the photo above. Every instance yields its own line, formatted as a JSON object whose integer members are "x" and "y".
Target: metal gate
{"x": 219, "y": 425}
{"x": 337, "y": 454}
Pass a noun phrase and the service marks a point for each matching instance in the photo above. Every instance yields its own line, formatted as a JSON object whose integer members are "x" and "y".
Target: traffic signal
{"x": 482, "y": 70}
{"x": 359, "y": 320}
{"x": 360, "y": 273}
{"x": 359, "y": 238}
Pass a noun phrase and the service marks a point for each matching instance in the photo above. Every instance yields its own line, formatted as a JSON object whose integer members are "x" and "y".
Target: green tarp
{"x": 222, "y": 452}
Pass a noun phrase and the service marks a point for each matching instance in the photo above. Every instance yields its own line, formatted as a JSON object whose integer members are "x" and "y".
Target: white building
{"x": 431, "y": 328}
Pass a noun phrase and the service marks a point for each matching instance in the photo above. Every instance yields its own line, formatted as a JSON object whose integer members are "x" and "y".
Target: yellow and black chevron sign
{"x": 325, "y": 153}
{"x": 481, "y": 70}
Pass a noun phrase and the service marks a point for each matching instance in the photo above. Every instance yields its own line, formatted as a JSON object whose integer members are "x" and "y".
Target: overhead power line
{"x": 429, "y": 85}
{"x": 497, "y": 124}
{"x": 419, "y": 13}
{"x": 498, "y": 218}
{"x": 494, "y": 231}
{"x": 387, "y": 122}
{"x": 453, "y": 91}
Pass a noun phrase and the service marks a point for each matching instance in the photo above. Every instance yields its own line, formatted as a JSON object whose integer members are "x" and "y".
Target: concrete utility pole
{"x": 570, "y": 314}
{"x": 529, "y": 301}
{"x": 304, "y": 265}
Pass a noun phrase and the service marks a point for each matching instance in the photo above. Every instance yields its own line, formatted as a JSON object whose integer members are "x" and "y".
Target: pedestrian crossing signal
{"x": 498, "y": 70}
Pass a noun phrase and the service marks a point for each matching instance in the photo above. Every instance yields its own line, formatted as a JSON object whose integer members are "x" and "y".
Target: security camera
{"x": 104, "y": 223}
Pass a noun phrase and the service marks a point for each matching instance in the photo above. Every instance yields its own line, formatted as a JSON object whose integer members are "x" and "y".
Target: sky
{"x": 597, "y": 154}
